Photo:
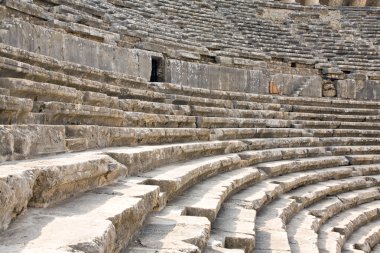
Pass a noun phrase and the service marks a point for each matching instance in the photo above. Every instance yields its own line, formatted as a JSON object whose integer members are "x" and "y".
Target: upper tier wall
{"x": 259, "y": 47}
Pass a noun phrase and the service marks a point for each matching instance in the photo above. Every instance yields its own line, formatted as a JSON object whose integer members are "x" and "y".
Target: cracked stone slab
{"x": 102, "y": 220}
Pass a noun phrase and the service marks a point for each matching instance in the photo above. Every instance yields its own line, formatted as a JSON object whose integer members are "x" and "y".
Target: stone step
{"x": 15, "y": 110}
{"x": 363, "y": 159}
{"x": 333, "y": 117}
{"x": 278, "y": 154}
{"x": 333, "y": 110}
{"x": 245, "y": 133}
{"x": 281, "y": 210}
{"x": 173, "y": 179}
{"x": 37, "y": 91}
{"x": 334, "y": 125}
{"x": 234, "y": 228}
{"x": 216, "y": 249}
{"x": 103, "y": 136}
{"x": 42, "y": 182}
{"x": 205, "y": 199}
{"x": 102, "y": 220}
{"x": 146, "y": 158}
{"x": 304, "y": 101}
{"x": 50, "y": 92}
{"x": 14, "y": 55}
{"x": 343, "y": 132}
{"x": 283, "y": 167}
{"x": 309, "y": 220}
{"x": 24, "y": 141}
{"x": 337, "y": 230}
{"x": 77, "y": 114}
{"x": 364, "y": 239}
{"x": 324, "y": 102}
{"x": 172, "y": 234}
{"x": 263, "y": 192}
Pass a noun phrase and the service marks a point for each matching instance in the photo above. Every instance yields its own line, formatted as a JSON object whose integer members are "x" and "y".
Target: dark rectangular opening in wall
{"x": 158, "y": 70}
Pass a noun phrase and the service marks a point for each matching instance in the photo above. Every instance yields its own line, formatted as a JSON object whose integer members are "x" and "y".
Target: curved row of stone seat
{"x": 363, "y": 239}
{"x": 97, "y": 168}
{"x": 288, "y": 207}
{"x": 340, "y": 229}
{"x": 242, "y": 31}
{"x": 91, "y": 79}
{"x": 310, "y": 219}
{"x": 195, "y": 204}
{"x": 184, "y": 184}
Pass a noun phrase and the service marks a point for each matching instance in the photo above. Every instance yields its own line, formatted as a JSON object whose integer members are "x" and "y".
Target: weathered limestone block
{"x": 310, "y": 2}
{"x": 15, "y": 110}
{"x": 235, "y": 226}
{"x": 329, "y": 90}
{"x": 142, "y": 159}
{"x": 101, "y": 136}
{"x": 286, "y": 84}
{"x": 375, "y": 3}
{"x": 22, "y": 142}
{"x": 173, "y": 233}
{"x": 357, "y": 3}
{"x": 66, "y": 47}
{"x": 257, "y": 82}
{"x": 42, "y": 182}
{"x": 332, "y": 2}
{"x": 346, "y": 89}
{"x": 216, "y": 77}
{"x": 102, "y": 220}
{"x": 173, "y": 179}
{"x": 40, "y": 91}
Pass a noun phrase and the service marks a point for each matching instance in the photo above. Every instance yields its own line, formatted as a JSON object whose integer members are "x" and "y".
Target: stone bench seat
{"x": 323, "y": 102}
{"x": 16, "y": 69}
{"x": 142, "y": 159}
{"x": 24, "y": 141}
{"x": 102, "y": 136}
{"x": 76, "y": 114}
{"x": 335, "y": 232}
{"x": 245, "y": 133}
{"x": 326, "y": 110}
{"x": 301, "y": 103}
{"x": 67, "y": 68}
{"x": 87, "y": 31}
{"x": 364, "y": 239}
{"x": 97, "y": 221}
{"x": 173, "y": 179}
{"x": 284, "y": 149}
{"x": 15, "y": 109}
{"x": 130, "y": 99}
{"x": 310, "y": 219}
{"x": 259, "y": 101}
{"x": 234, "y": 229}
{"x": 205, "y": 198}
{"x": 67, "y": 113}
{"x": 333, "y": 117}
{"x": 35, "y": 90}
{"x": 262, "y": 193}
{"x": 286, "y": 206}
{"x": 42, "y": 182}
{"x": 173, "y": 233}
{"x": 306, "y": 124}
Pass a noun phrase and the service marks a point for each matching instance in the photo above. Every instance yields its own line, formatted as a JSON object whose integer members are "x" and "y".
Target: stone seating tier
{"x": 213, "y": 28}
{"x": 99, "y": 161}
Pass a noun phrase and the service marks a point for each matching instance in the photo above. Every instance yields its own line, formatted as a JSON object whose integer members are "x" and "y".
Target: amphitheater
{"x": 162, "y": 126}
